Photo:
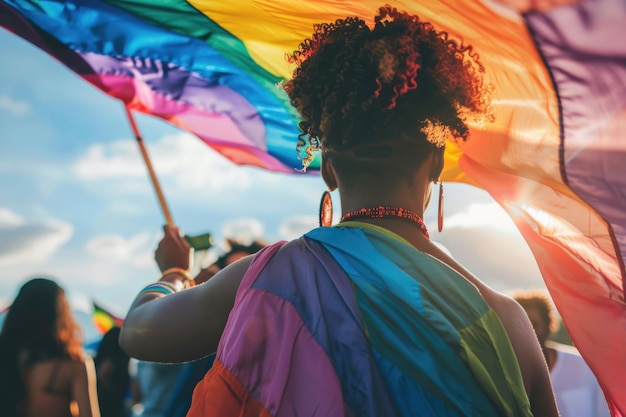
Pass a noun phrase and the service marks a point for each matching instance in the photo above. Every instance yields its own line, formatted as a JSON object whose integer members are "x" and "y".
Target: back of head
{"x": 238, "y": 250}
{"x": 109, "y": 348}
{"x": 39, "y": 325}
{"x": 40, "y": 321}
{"x": 383, "y": 99}
{"x": 539, "y": 302}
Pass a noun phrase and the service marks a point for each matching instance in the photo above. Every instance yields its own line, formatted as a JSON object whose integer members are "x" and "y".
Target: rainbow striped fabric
{"x": 553, "y": 159}
{"x": 168, "y": 59}
{"x": 104, "y": 320}
{"x": 355, "y": 321}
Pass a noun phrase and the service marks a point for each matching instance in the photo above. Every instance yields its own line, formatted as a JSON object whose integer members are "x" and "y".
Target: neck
{"x": 407, "y": 196}
{"x": 387, "y": 212}
{"x": 410, "y": 194}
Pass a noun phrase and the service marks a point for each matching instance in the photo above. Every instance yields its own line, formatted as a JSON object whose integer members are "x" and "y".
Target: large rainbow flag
{"x": 553, "y": 159}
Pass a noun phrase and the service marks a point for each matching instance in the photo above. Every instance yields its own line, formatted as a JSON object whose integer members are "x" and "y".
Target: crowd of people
{"x": 366, "y": 318}
{"x": 60, "y": 379}
{"x": 46, "y": 372}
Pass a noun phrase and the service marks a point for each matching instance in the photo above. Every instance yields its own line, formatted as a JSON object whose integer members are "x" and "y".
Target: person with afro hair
{"x": 368, "y": 317}
{"x": 576, "y": 388}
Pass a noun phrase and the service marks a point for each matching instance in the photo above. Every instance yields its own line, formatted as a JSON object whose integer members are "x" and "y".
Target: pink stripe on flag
{"x": 268, "y": 348}
{"x": 271, "y": 352}
{"x": 217, "y": 130}
{"x": 584, "y": 280}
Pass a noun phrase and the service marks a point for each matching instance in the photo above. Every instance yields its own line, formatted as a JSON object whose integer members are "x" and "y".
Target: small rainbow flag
{"x": 104, "y": 320}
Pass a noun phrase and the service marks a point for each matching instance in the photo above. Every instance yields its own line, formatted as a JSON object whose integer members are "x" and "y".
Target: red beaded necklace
{"x": 381, "y": 212}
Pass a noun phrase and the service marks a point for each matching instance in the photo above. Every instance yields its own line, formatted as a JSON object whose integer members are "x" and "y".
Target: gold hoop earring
{"x": 440, "y": 210}
{"x": 326, "y": 210}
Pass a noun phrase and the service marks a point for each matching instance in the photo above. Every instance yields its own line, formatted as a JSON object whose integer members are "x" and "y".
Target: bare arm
{"x": 183, "y": 326}
{"x": 84, "y": 389}
{"x": 526, "y": 346}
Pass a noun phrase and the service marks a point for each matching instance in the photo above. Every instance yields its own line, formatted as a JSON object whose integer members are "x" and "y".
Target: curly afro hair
{"x": 541, "y": 302}
{"x": 399, "y": 90}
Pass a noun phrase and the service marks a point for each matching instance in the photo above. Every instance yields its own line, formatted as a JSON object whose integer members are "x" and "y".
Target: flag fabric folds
{"x": 553, "y": 159}
{"x": 104, "y": 320}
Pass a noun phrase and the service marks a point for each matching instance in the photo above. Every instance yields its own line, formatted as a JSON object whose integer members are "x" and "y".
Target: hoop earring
{"x": 326, "y": 210}
{"x": 440, "y": 210}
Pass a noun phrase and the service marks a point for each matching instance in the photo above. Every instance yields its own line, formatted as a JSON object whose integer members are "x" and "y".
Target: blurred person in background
{"x": 44, "y": 371}
{"x": 113, "y": 377}
{"x": 576, "y": 388}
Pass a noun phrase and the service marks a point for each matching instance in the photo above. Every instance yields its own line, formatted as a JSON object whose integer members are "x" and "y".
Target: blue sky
{"x": 76, "y": 201}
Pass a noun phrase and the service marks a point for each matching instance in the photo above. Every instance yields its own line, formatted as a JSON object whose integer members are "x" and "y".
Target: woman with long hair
{"x": 368, "y": 317}
{"x": 43, "y": 368}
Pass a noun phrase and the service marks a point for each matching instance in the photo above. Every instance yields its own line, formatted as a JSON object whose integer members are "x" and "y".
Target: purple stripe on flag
{"x": 179, "y": 85}
{"x": 583, "y": 46}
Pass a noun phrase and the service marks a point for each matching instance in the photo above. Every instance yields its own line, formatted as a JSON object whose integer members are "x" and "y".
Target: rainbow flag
{"x": 104, "y": 320}
{"x": 553, "y": 159}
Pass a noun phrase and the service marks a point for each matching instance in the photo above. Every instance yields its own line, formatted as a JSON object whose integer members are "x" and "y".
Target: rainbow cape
{"x": 355, "y": 321}
{"x": 553, "y": 159}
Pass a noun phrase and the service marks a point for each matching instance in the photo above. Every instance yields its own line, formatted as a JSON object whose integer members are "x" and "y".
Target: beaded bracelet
{"x": 187, "y": 281}
{"x": 175, "y": 270}
{"x": 162, "y": 287}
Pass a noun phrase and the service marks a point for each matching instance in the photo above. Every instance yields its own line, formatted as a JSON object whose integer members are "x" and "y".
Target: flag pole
{"x": 146, "y": 158}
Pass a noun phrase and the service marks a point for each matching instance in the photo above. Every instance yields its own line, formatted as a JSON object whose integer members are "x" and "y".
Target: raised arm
{"x": 184, "y": 325}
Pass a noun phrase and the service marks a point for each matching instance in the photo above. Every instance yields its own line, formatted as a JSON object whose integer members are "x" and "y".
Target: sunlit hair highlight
{"x": 541, "y": 302}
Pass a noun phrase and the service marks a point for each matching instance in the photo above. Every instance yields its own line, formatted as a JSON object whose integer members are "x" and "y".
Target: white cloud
{"x": 137, "y": 251}
{"x": 117, "y": 160}
{"x": 296, "y": 226}
{"x": 244, "y": 230}
{"x": 485, "y": 240}
{"x": 482, "y": 215}
{"x": 9, "y": 218}
{"x": 15, "y": 107}
{"x": 181, "y": 159}
{"x": 30, "y": 242}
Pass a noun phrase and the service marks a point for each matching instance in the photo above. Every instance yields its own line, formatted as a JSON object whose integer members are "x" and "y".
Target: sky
{"x": 77, "y": 204}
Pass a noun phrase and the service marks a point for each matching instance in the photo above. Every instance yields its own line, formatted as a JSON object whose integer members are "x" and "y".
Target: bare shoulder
{"x": 505, "y": 306}
{"x": 226, "y": 281}
{"x": 512, "y": 316}
{"x": 521, "y": 335}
